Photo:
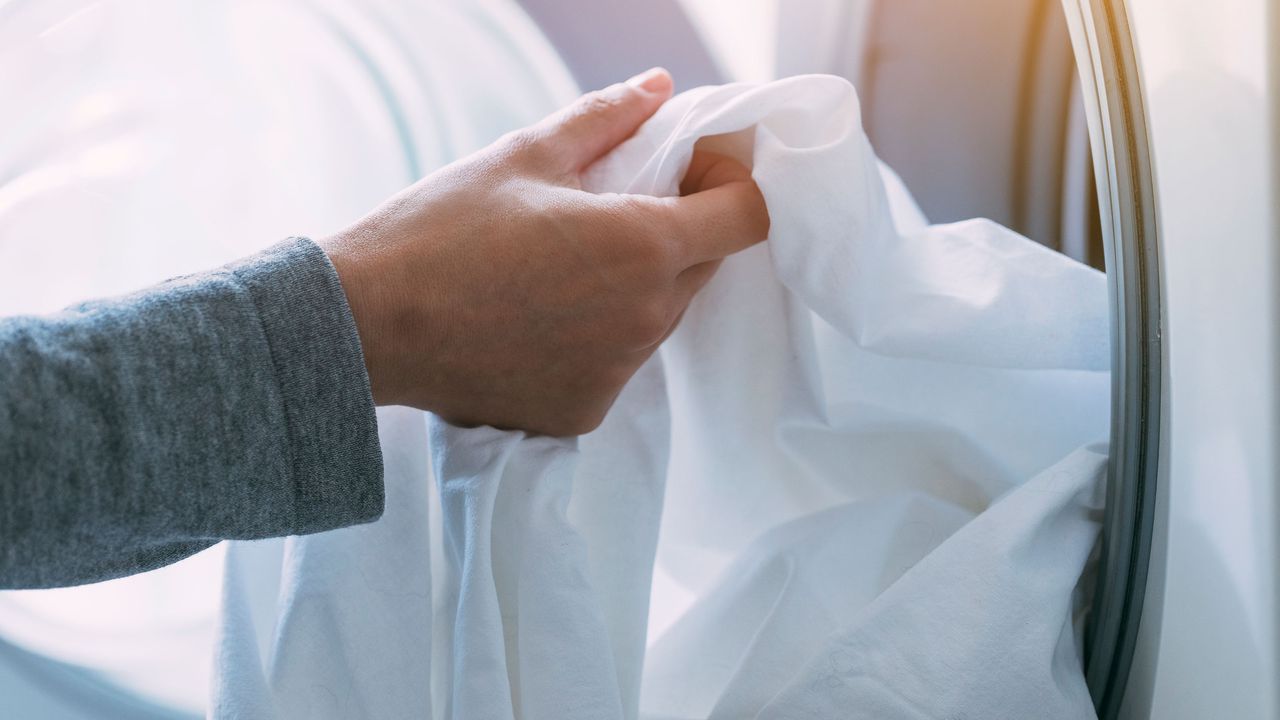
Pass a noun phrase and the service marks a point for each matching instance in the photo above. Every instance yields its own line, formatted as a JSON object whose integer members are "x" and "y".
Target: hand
{"x": 496, "y": 291}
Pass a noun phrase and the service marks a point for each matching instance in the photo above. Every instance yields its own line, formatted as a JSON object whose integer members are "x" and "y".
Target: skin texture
{"x": 495, "y": 291}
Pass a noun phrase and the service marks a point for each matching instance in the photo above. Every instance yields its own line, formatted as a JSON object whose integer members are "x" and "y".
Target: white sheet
{"x": 824, "y": 459}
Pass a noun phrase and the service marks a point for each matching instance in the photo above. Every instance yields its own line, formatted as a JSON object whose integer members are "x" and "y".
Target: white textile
{"x": 851, "y": 483}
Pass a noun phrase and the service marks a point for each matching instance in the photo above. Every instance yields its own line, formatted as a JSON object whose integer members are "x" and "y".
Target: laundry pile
{"x": 857, "y": 481}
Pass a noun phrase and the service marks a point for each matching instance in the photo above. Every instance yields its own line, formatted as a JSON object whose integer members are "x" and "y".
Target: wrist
{"x": 364, "y": 299}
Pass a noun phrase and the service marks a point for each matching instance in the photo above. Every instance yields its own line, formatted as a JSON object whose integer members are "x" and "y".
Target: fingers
{"x": 723, "y": 213}
{"x": 709, "y": 170}
{"x": 689, "y": 282}
{"x": 598, "y": 121}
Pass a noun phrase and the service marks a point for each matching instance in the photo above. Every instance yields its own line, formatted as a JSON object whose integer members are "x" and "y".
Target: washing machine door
{"x": 1118, "y": 128}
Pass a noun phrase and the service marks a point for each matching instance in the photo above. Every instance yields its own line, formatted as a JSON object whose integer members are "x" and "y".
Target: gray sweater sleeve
{"x": 138, "y": 430}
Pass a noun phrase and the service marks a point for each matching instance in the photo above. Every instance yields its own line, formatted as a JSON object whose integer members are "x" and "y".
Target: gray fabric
{"x": 135, "y": 431}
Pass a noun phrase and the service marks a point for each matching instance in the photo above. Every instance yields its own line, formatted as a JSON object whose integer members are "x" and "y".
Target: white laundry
{"x": 855, "y": 482}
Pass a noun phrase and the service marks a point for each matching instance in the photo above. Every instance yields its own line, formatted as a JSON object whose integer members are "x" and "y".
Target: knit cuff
{"x": 319, "y": 367}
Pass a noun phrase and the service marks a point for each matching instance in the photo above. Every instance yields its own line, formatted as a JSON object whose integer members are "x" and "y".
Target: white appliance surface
{"x": 1208, "y": 643}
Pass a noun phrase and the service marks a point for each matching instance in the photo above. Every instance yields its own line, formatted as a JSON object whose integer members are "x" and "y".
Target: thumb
{"x": 596, "y": 122}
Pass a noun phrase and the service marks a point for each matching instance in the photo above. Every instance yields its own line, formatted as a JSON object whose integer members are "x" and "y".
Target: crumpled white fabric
{"x": 855, "y": 482}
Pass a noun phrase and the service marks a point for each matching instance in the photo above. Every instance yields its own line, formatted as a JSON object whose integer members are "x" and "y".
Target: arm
{"x": 139, "y": 430}
{"x": 239, "y": 403}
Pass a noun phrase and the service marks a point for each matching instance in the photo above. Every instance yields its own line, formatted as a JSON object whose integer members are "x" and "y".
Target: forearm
{"x": 138, "y": 430}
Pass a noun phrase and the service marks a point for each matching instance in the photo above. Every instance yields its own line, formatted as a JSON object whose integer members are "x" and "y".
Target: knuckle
{"x": 518, "y": 140}
{"x": 643, "y": 230}
{"x": 583, "y": 420}
{"x": 650, "y": 321}
{"x": 599, "y": 101}
{"x": 585, "y": 423}
{"x": 587, "y": 398}
{"x": 524, "y": 145}
{"x": 655, "y": 254}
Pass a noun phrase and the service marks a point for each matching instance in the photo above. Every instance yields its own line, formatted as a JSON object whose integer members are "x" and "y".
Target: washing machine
{"x": 1138, "y": 136}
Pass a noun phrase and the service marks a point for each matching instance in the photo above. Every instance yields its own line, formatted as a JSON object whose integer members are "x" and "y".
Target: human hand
{"x": 496, "y": 291}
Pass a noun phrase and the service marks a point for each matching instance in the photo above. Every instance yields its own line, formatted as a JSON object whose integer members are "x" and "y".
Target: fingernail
{"x": 652, "y": 80}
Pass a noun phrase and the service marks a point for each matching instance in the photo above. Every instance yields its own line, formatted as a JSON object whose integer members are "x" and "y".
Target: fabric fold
{"x": 857, "y": 480}
{"x": 524, "y": 614}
